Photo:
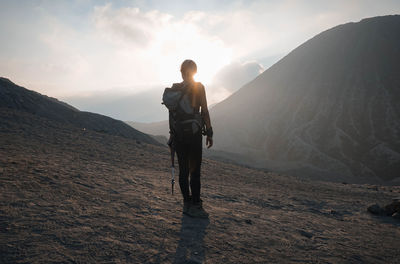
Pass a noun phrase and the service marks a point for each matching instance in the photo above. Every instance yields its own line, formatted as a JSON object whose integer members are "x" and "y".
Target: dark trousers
{"x": 189, "y": 151}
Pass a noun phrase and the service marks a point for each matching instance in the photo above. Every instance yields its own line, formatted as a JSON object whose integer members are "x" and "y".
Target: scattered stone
{"x": 376, "y": 209}
{"x": 388, "y": 210}
{"x": 396, "y": 215}
{"x": 248, "y": 221}
{"x": 392, "y": 208}
{"x": 306, "y": 234}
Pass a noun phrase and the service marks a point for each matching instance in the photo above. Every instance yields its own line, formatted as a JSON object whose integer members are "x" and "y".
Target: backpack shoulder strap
{"x": 172, "y": 96}
{"x": 180, "y": 87}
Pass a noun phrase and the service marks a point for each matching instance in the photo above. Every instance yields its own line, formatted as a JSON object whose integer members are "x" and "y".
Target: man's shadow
{"x": 191, "y": 247}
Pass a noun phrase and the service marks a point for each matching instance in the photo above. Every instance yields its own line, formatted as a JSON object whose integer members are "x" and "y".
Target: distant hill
{"x": 123, "y": 105}
{"x": 19, "y": 98}
{"x": 328, "y": 110}
{"x": 155, "y": 128}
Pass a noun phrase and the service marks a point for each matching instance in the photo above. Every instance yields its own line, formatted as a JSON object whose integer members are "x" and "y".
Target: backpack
{"x": 184, "y": 120}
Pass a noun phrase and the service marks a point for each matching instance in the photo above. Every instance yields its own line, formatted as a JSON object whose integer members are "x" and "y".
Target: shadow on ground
{"x": 191, "y": 247}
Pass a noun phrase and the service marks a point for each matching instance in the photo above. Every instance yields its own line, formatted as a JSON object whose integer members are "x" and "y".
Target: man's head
{"x": 188, "y": 69}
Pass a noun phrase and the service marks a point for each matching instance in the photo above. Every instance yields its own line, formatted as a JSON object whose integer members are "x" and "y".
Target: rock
{"x": 389, "y": 209}
{"x": 396, "y": 215}
{"x": 306, "y": 234}
{"x": 392, "y": 208}
{"x": 376, "y": 209}
{"x": 375, "y": 188}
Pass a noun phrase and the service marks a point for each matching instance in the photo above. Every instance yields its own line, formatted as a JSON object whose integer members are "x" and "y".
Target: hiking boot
{"x": 197, "y": 210}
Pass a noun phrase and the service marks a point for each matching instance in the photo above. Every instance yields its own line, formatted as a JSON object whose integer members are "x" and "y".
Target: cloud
{"x": 231, "y": 78}
{"x": 235, "y": 75}
{"x": 160, "y": 42}
{"x": 129, "y": 24}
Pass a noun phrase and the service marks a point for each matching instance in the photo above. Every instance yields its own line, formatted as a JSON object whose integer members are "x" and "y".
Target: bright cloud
{"x": 129, "y": 25}
{"x": 232, "y": 77}
{"x": 160, "y": 41}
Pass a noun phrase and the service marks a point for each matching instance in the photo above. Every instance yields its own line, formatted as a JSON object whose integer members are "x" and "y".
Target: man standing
{"x": 186, "y": 136}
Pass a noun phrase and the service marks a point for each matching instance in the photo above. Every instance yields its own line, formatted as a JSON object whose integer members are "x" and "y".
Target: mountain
{"x": 328, "y": 110}
{"x": 18, "y": 98}
{"x": 123, "y": 105}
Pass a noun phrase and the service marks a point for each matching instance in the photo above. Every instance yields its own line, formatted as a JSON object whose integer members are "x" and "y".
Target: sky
{"x": 95, "y": 54}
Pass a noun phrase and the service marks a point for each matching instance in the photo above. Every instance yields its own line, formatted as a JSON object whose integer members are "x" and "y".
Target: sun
{"x": 208, "y": 64}
{"x": 174, "y": 45}
{"x": 204, "y": 77}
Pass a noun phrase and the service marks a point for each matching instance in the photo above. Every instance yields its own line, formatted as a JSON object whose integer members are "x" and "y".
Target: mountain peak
{"x": 327, "y": 110}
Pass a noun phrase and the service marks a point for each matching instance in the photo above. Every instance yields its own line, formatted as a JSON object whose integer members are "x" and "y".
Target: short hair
{"x": 189, "y": 65}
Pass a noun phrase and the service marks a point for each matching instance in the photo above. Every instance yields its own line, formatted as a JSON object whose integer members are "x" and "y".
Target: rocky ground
{"x": 74, "y": 196}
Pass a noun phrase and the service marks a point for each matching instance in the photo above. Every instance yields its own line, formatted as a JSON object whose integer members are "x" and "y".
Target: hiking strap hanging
{"x": 172, "y": 180}
{"x": 172, "y": 150}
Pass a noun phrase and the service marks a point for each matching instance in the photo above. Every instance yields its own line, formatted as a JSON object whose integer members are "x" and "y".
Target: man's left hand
{"x": 209, "y": 142}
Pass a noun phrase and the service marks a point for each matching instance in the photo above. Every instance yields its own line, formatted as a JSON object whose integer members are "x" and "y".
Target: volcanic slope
{"x": 19, "y": 98}
{"x": 79, "y": 196}
{"x": 328, "y": 110}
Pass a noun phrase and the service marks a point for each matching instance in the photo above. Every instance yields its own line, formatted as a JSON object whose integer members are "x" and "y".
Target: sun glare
{"x": 180, "y": 42}
{"x": 209, "y": 61}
